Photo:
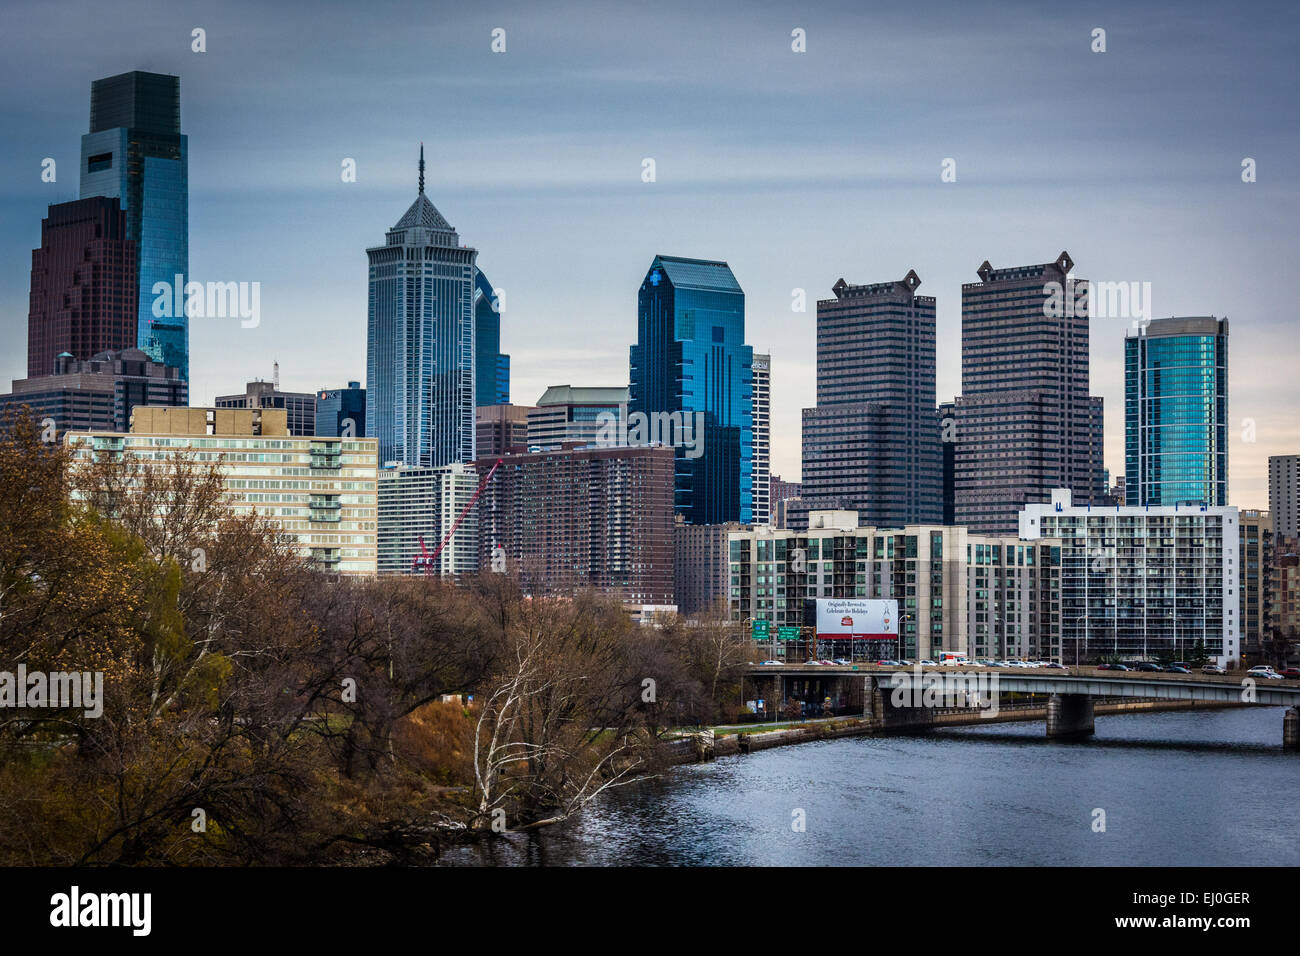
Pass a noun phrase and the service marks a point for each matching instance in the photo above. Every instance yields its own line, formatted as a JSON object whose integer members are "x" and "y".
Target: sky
{"x": 797, "y": 168}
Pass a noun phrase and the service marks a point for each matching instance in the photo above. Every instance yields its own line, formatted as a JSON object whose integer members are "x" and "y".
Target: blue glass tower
{"x": 335, "y": 407}
{"x": 135, "y": 152}
{"x": 420, "y": 341}
{"x": 1176, "y": 412}
{"x": 691, "y": 357}
{"x": 492, "y": 375}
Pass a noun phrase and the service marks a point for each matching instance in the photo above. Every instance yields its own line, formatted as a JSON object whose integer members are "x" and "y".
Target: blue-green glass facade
{"x": 135, "y": 152}
{"x": 1176, "y": 413}
{"x": 691, "y": 357}
{"x": 492, "y": 369}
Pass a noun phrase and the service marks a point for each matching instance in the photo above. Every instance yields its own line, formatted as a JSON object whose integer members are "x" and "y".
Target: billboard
{"x": 846, "y": 618}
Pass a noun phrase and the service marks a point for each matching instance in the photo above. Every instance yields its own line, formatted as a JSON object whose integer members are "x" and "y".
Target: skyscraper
{"x": 1176, "y": 412}
{"x": 135, "y": 153}
{"x": 1284, "y": 494}
{"x": 762, "y": 392}
{"x": 337, "y": 407}
{"x": 871, "y": 444}
{"x": 491, "y": 368}
{"x": 83, "y": 292}
{"x": 1025, "y": 423}
{"x": 691, "y": 360}
{"x": 420, "y": 340}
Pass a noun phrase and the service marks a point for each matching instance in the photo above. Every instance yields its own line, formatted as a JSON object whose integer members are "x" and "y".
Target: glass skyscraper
{"x": 492, "y": 371}
{"x": 335, "y": 407}
{"x": 1176, "y": 412}
{"x": 420, "y": 341}
{"x": 135, "y": 152}
{"x": 691, "y": 357}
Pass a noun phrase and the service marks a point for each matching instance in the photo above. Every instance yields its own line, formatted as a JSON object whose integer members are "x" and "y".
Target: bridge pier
{"x": 1070, "y": 715}
{"x": 1291, "y": 729}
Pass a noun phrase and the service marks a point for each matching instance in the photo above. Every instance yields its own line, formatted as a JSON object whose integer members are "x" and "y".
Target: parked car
{"x": 1146, "y": 666}
{"x": 1291, "y": 673}
{"x": 769, "y": 663}
{"x": 1112, "y": 667}
{"x": 985, "y": 662}
{"x": 1175, "y": 669}
{"x": 825, "y": 661}
{"x": 1054, "y": 665}
{"x": 1212, "y": 669}
{"x": 905, "y": 663}
{"x": 843, "y": 662}
{"x": 812, "y": 663}
{"x": 929, "y": 664}
{"x": 888, "y": 663}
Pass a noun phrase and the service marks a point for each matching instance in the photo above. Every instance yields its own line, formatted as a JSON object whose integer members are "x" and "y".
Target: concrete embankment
{"x": 708, "y": 745}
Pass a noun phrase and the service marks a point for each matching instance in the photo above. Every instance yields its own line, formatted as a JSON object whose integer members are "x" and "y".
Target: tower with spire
{"x": 420, "y": 344}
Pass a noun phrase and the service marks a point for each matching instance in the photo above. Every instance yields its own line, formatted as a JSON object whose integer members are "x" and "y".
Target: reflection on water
{"x": 1185, "y": 788}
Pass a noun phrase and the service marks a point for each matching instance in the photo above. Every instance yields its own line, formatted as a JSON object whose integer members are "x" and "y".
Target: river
{"x": 1188, "y": 788}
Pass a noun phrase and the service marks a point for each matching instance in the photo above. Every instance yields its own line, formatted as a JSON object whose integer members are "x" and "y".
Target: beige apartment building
{"x": 323, "y": 491}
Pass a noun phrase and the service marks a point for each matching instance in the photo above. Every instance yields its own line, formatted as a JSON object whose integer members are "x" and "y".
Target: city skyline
{"x": 740, "y": 170}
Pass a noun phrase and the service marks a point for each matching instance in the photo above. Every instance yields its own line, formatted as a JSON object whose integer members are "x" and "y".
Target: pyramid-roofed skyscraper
{"x": 420, "y": 341}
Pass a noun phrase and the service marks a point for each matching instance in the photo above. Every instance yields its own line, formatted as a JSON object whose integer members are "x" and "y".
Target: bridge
{"x": 895, "y": 696}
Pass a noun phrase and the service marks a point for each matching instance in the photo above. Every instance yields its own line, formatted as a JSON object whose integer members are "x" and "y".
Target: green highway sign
{"x": 787, "y": 633}
{"x": 760, "y": 630}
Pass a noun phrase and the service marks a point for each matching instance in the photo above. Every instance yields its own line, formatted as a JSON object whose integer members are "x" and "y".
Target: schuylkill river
{"x": 1187, "y": 788}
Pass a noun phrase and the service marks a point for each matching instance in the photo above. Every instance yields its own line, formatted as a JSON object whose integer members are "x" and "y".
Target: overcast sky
{"x": 796, "y": 168}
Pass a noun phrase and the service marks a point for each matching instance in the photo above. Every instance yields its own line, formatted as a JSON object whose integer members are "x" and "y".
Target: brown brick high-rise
{"x": 583, "y": 518}
{"x": 84, "y": 298}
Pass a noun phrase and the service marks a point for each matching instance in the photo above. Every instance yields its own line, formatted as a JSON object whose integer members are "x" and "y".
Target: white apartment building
{"x": 424, "y": 503}
{"x": 1140, "y": 580}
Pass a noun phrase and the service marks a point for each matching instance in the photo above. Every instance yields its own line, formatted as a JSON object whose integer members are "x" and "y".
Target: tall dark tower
{"x": 870, "y": 445}
{"x": 135, "y": 153}
{"x": 1025, "y": 423}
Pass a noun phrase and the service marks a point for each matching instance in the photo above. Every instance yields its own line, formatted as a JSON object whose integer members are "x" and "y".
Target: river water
{"x": 1189, "y": 788}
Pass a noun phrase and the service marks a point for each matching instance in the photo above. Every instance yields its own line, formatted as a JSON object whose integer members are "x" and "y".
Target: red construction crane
{"x": 427, "y": 561}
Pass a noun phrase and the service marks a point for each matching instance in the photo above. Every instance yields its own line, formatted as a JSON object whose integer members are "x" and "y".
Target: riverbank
{"x": 738, "y": 739}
